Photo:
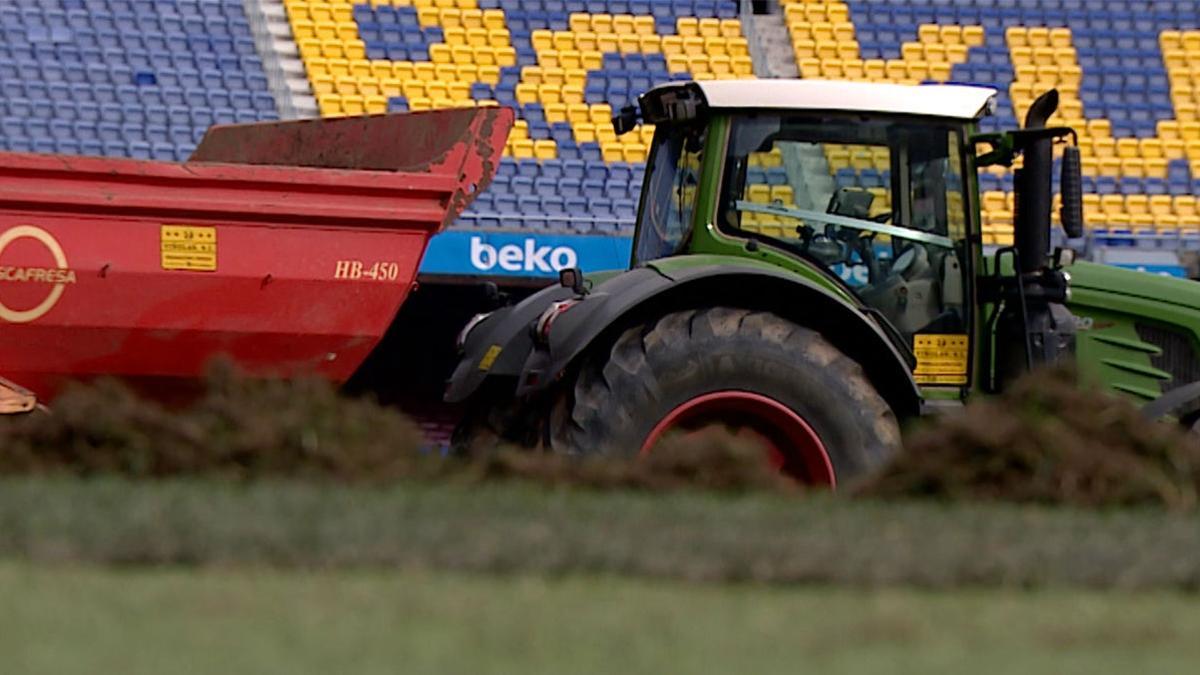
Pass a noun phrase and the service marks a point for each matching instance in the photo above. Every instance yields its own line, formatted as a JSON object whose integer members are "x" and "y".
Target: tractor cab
{"x": 869, "y": 186}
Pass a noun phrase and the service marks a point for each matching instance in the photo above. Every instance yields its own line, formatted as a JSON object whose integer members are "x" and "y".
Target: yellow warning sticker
{"x": 187, "y": 247}
{"x": 941, "y": 359}
{"x": 489, "y": 357}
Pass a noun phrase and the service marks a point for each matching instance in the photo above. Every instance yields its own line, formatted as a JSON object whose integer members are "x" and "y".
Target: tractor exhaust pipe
{"x": 1033, "y": 188}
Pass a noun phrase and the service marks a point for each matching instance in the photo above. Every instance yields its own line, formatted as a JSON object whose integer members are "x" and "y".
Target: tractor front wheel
{"x": 755, "y": 373}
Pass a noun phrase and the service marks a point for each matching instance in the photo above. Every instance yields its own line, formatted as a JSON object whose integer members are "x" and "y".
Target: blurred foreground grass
{"x": 67, "y": 620}
{"x": 522, "y": 528}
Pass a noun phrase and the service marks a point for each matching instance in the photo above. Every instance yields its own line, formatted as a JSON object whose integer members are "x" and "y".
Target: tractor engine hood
{"x": 1093, "y": 278}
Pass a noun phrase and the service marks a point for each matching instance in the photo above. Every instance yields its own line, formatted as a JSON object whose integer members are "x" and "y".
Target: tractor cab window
{"x": 672, "y": 178}
{"x": 878, "y": 203}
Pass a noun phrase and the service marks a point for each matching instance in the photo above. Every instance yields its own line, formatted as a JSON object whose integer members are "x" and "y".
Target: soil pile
{"x": 238, "y": 428}
{"x": 248, "y": 429}
{"x": 1048, "y": 439}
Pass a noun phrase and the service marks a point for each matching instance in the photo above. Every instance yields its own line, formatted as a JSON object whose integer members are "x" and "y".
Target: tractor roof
{"x": 939, "y": 100}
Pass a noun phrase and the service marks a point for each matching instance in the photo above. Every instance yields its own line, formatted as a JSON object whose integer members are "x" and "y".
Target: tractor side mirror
{"x": 625, "y": 120}
{"x": 1071, "y": 187}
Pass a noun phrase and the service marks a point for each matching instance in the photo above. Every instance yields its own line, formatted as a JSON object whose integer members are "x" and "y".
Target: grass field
{"x": 518, "y": 528}
{"x": 65, "y": 620}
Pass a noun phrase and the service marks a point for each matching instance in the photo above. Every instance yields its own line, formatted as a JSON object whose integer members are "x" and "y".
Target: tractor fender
{"x": 644, "y": 293}
{"x": 499, "y": 345}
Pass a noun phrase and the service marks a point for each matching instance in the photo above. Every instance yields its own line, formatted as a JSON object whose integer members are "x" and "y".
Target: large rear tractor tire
{"x": 754, "y": 372}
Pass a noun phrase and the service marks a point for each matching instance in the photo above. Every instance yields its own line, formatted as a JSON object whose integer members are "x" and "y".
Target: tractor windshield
{"x": 672, "y": 175}
{"x": 878, "y": 202}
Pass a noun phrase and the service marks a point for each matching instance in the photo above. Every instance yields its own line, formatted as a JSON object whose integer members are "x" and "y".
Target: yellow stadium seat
{"x": 1155, "y": 167}
{"x": 709, "y": 27}
{"x": 1133, "y": 167}
{"x": 563, "y": 40}
{"x": 505, "y": 56}
{"x": 1137, "y": 204}
{"x": 1173, "y": 148}
{"x": 1161, "y": 205}
{"x": 950, "y": 35}
{"x": 688, "y": 26}
{"x": 928, "y": 33}
{"x": 853, "y": 70}
{"x": 607, "y": 42}
{"x": 601, "y": 114}
{"x": 602, "y": 23}
{"x": 804, "y": 48}
{"x": 1099, "y": 128}
{"x": 731, "y": 28}
{"x": 549, "y": 93}
{"x": 875, "y": 69}
{"x": 390, "y": 86}
{"x": 577, "y": 113}
{"x": 612, "y": 153}
{"x": 810, "y": 67}
{"x": 821, "y": 30}
{"x": 541, "y": 39}
{"x": 580, "y": 22}
{"x": 895, "y": 71}
{"x": 643, "y": 25}
{"x": 1110, "y": 166}
{"x": 1016, "y": 36}
{"x": 972, "y": 36}
{"x": 375, "y": 105}
{"x": 698, "y": 64}
{"x": 472, "y": 18}
{"x": 782, "y": 194}
{"x": 628, "y": 43}
{"x": 831, "y": 69}
{"x": 623, "y": 24}
{"x": 369, "y": 87}
{"x": 493, "y": 19}
{"x": 634, "y": 152}
{"x": 933, "y": 53}
{"x": 584, "y": 132}
{"x": 912, "y": 51}
{"x": 1021, "y": 56}
{"x": 545, "y": 149}
{"x": 1060, "y": 37}
{"x": 759, "y": 194}
{"x": 1038, "y": 36}
{"x": 1104, "y": 147}
{"x": 322, "y": 84}
{"x": 693, "y": 46}
{"x": 572, "y": 93}
{"x": 441, "y": 53}
{"x": 743, "y": 66}
{"x": 353, "y": 105}
{"x": 1128, "y": 147}
{"x": 940, "y": 72}
{"x": 523, "y": 149}
{"x": 330, "y": 105}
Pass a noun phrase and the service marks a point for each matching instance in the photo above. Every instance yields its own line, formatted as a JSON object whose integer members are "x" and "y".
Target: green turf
{"x": 525, "y": 529}
{"x": 96, "y": 621}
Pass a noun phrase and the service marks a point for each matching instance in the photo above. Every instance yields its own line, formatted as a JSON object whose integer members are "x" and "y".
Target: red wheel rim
{"x": 794, "y": 446}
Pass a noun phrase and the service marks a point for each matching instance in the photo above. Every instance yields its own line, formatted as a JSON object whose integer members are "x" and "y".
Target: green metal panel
{"x": 1109, "y": 303}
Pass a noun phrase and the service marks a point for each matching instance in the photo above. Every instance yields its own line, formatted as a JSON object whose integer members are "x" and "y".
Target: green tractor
{"x": 817, "y": 318}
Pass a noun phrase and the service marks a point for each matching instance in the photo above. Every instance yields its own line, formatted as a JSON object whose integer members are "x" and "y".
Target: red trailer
{"x": 287, "y": 246}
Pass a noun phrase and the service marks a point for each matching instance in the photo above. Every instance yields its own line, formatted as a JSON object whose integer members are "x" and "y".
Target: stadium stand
{"x": 564, "y": 65}
{"x": 1127, "y": 72}
{"x": 143, "y": 78}
{"x": 139, "y": 78}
